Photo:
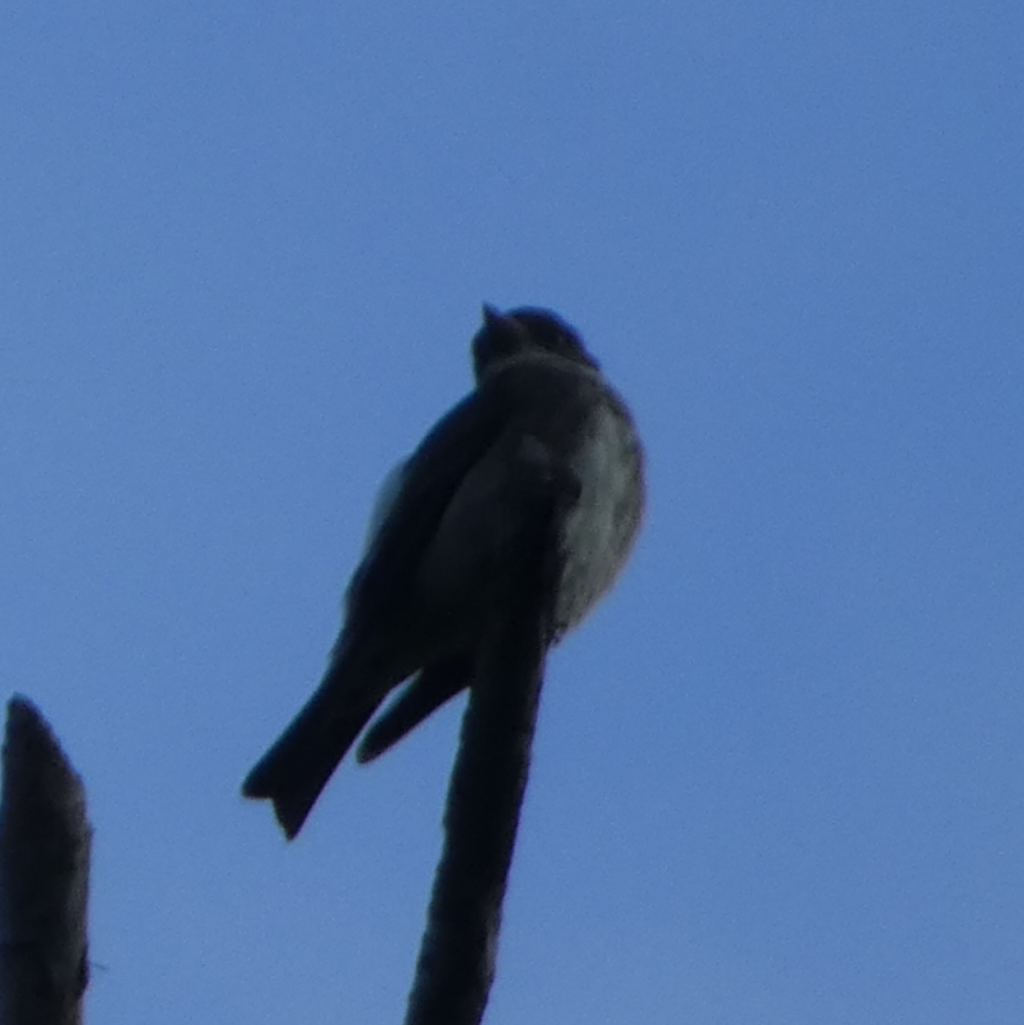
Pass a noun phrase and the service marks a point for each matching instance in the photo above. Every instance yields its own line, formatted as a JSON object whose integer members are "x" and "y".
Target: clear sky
{"x": 779, "y": 776}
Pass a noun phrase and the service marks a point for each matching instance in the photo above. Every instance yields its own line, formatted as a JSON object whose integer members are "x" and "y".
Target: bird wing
{"x": 383, "y": 587}
{"x": 430, "y": 688}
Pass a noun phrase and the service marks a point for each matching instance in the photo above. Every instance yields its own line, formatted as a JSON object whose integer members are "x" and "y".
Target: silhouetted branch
{"x": 457, "y": 957}
{"x": 44, "y": 876}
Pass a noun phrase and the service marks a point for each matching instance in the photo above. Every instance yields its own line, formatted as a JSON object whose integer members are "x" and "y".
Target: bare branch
{"x": 44, "y": 876}
{"x": 459, "y": 949}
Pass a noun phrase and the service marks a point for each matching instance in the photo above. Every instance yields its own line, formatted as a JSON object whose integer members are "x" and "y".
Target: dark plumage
{"x": 419, "y": 600}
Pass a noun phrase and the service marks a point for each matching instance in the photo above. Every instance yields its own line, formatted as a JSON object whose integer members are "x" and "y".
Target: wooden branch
{"x": 457, "y": 957}
{"x": 44, "y": 876}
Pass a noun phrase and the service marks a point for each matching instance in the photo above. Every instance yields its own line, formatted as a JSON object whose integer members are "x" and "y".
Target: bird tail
{"x": 295, "y": 770}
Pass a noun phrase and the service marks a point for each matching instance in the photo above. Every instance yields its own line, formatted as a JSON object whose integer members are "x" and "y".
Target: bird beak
{"x": 494, "y": 318}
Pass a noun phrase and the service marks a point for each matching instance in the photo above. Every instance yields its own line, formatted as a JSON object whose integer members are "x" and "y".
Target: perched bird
{"x": 417, "y": 606}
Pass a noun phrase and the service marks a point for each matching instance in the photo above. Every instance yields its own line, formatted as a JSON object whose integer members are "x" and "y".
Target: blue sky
{"x": 779, "y": 776}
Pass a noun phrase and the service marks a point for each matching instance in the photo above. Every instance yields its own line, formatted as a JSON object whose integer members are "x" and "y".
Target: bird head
{"x": 522, "y": 333}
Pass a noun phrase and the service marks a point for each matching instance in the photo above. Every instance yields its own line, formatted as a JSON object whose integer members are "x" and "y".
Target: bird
{"x": 417, "y": 606}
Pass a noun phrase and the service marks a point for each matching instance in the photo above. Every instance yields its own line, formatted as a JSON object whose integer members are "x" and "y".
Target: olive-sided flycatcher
{"x": 418, "y": 604}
